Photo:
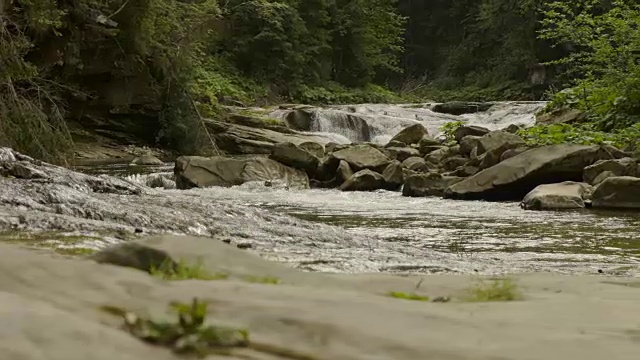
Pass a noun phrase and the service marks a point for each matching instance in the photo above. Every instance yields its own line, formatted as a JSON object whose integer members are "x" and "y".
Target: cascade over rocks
{"x": 618, "y": 192}
{"x": 566, "y": 195}
{"x": 513, "y": 178}
{"x": 196, "y": 171}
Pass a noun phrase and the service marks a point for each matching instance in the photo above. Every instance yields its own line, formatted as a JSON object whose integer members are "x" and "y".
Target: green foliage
{"x": 184, "y": 271}
{"x": 263, "y": 280}
{"x": 495, "y": 290}
{"x": 189, "y": 335}
{"x": 606, "y": 60}
{"x": 448, "y": 130}
{"x": 408, "y": 296}
{"x": 627, "y": 138}
{"x": 332, "y": 93}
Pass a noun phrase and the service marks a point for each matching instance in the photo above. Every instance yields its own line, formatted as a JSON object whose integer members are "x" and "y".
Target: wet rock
{"x": 343, "y": 173}
{"x": 513, "y": 129}
{"x": 495, "y": 155}
{"x": 135, "y": 256}
{"x": 362, "y": 157}
{"x": 331, "y": 147}
{"x": 411, "y": 134}
{"x": 566, "y": 195}
{"x": 313, "y": 148}
{"x": 618, "y": 167}
{"x": 416, "y": 164}
{"x": 363, "y": 180}
{"x": 427, "y": 144}
{"x": 401, "y": 154}
{"x": 498, "y": 140}
{"x": 147, "y": 159}
{"x": 513, "y": 178}
{"x": 160, "y": 181}
{"x": 393, "y": 176}
{"x": 461, "y": 107}
{"x": 602, "y": 177}
{"x": 442, "y": 154}
{"x": 431, "y": 184}
{"x": 21, "y": 170}
{"x": 195, "y": 171}
{"x": 295, "y": 157}
{"x": 509, "y": 153}
{"x": 468, "y": 143}
{"x": 300, "y": 119}
{"x": 620, "y": 192}
{"x": 464, "y": 171}
{"x": 396, "y": 144}
{"x": 327, "y": 168}
{"x": 467, "y": 130}
{"x": 454, "y": 162}
{"x": 428, "y": 149}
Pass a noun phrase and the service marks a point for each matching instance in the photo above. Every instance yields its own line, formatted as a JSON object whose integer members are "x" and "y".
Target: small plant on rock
{"x": 188, "y": 335}
{"x": 408, "y": 296}
{"x": 183, "y": 271}
{"x": 263, "y": 280}
{"x": 495, "y": 290}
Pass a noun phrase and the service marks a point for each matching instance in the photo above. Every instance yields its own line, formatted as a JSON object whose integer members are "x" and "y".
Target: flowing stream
{"x": 328, "y": 230}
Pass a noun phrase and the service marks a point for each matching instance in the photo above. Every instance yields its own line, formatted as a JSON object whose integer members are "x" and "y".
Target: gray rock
{"x": 295, "y": 157}
{"x": 300, "y": 119}
{"x": 513, "y": 178}
{"x": 363, "y": 180}
{"x": 468, "y": 143}
{"x": 509, "y": 153}
{"x": 619, "y": 167}
{"x": 343, "y": 173}
{"x": 566, "y": 195}
{"x": 428, "y": 144}
{"x": 467, "y": 130}
{"x": 513, "y": 129}
{"x": 416, "y": 164}
{"x": 461, "y": 107}
{"x": 620, "y": 192}
{"x": 396, "y": 144}
{"x": 393, "y": 176}
{"x": 135, "y": 256}
{"x": 313, "y": 148}
{"x": 561, "y": 116}
{"x": 362, "y": 157}
{"x": 442, "y": 154}
{"x": 147, "y": 159}
{"x": 401, "y": 154}
{"x": 498, "y": 139}
{"x": 454, "y": 162}
{"x": 431, "y": 184}
{"x": 411, "y": 134}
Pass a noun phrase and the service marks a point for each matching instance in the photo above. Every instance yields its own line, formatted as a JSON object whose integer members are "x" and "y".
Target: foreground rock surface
{"x": 50, "y": 306}
{"x": 513, "y": 178}
{"x": 566, "y": 195}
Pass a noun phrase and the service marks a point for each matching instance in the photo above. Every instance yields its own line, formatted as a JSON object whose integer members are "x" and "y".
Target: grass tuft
{"x": 188, "y": 335}
{"x": 495, "y": 290}
{"x": 263, "y": 280}
{"x": 184, "y": 271}
{"x": 408, "y": 296}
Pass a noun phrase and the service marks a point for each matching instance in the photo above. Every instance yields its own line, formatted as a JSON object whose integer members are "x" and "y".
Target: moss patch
{"x": 408, "y": 296}
{"x": 494, "y": 290}
{"x": 185, "y": 271}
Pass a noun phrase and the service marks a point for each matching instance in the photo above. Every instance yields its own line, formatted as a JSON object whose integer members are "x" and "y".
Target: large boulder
{"x": 467, "y": 130}
{"x": 393, "y": 176}
{"x": 291, "y": 155}
{"x": 620, "y": 192}
{"x": 442, "y": 154}
{"x": 196, "y": 171}
{"x": 300, "y": 119}
{"x": 343, "y": 173}
{"x": 416, "y": 164}
{"x": 363, "y": 180}
{"x": 427, "y": 144}
{"x": 468, "y": 143}
{"x": 313, "y": 148}
{"x": 363, "y": 156}
{"x": 566, "y": 195}
{"x": 411, "y": 134}
{"x": 461, "y": 107}
{"x": 618, "y": 167}
{"x": 430, "y": 184}
{"x": 401, "y": 154}
{"x": 498, "y": 140}
{"x": 513, "y": 178}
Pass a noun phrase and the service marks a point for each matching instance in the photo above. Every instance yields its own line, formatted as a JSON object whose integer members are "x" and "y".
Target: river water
{"x": 328, "y": 230}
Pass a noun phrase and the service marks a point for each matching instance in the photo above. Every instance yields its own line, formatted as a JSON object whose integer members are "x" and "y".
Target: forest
{"x": 163, "y": 63}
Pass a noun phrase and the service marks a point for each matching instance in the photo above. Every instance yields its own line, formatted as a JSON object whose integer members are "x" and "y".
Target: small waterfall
{"x": 378, "y": 123}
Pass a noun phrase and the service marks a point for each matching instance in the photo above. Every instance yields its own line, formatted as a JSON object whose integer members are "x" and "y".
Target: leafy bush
{"x": 605, "y": 60}
{"x": 627, "y": 139}
{"x": 448, "y": 130}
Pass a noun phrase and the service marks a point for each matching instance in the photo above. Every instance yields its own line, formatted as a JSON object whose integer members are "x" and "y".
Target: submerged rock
{"x": 147, "y": 159}
{"x": 513, "y": 178}
{"x": 461, "y": 107}
{"x": 620, "y": 192}
{"x": 313, "y": 148}
{"x": 566, "y": 195}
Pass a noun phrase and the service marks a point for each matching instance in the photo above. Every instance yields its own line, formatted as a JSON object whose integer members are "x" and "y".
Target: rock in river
{"x": 566, "y": 195}
{"x": 621, "y": 192}
{"x": 428, "y": 184}
{"x": 363, "y": 156}
{"x": 411, "y": 134}
{"x": 196, "y": 171}
{"x": 363, "y": 180}
{"x": 513, "y": 178}
{"x": 292, "y": 155}
{"x": 618, "y": 167}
